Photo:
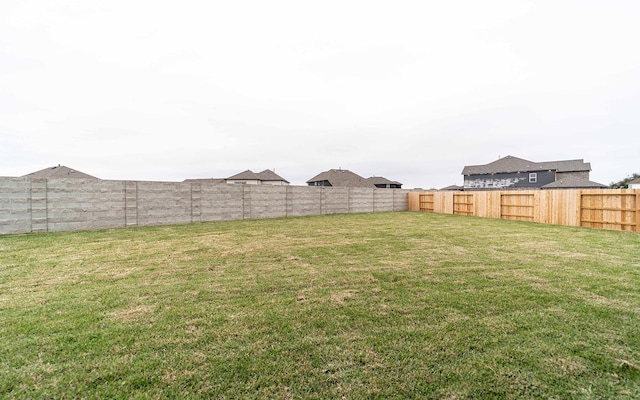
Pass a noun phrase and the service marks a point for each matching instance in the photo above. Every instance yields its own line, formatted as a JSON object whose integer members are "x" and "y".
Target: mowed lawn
{"x": 385, "y": 305}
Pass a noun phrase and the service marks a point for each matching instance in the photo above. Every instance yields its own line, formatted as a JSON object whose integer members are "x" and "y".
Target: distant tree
{"x": 623, "y": 184}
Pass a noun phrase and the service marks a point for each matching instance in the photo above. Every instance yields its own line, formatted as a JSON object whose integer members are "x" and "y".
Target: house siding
{"x": 577, "y": 174}
{"x": 516, "y": 180}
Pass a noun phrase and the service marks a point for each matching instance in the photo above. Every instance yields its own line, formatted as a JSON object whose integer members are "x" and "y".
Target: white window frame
{"x": 533, "y": 177}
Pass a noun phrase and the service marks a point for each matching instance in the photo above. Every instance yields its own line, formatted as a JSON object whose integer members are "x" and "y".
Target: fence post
{"x": 637, "y": 227}
{"x": 578, "y": 212}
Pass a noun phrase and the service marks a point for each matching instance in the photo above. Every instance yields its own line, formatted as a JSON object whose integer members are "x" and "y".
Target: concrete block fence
{"x": 53, "y": 205}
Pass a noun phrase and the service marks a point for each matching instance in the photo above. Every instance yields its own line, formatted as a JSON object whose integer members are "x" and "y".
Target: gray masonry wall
{"x": 53, "y": 205}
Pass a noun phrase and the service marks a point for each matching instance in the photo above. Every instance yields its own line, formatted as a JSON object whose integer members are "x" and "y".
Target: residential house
{"x": 339, "y": 178}
{"x": 345, "y": 178}
{"x": 516, "y": 173}
{"x": 248, "y": 177}
{"x": 59, "y": 171}
{"x": 384, "y": 183}
{"x": 634, "y": 184}
{"x": 452, "y": 188}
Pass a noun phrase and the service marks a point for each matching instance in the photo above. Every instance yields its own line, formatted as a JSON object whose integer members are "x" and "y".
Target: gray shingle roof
{"x": 515, "y": 164}
{"x": 59, "y": 171}
{"x": 573, "y": 182}
{"x": 566, "y": 165}
{"x": 269, "y": 175}
{"x": 452, "y": 187}
{"x": 244, "y": 175}
{"x": 266, "y": 175}
{"x": 379, "y": 180}
{"x": 341, "y": 178}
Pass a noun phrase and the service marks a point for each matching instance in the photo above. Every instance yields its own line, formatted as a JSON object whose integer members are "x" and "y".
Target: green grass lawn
{"x": 386, "y": 305}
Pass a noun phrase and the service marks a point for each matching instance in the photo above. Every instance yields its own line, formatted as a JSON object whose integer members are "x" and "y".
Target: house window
{"x": 533, "y": 177}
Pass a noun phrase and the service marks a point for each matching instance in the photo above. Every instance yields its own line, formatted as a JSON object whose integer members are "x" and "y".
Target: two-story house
{"x": 516, "y": 173}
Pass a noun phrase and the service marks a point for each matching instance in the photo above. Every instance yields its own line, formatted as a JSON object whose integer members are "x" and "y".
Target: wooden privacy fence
{"x": 617, "y": 209}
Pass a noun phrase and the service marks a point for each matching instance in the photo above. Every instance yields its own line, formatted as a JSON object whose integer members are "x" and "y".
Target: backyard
{"x": 379, "y": 305}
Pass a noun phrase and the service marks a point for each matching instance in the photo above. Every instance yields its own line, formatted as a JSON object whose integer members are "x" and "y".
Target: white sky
{"x": 409, "y": 90}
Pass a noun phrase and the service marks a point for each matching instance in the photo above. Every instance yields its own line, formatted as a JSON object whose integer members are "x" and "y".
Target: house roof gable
{"x": 452, "y": 187}
{"x": 341, "y": 178}
{"x": 266, "y": 175}
{"x": 269, "y": 175}
{"x": 379, "y": 180}
{"x": 244, "y": 175}
{"x": 59, "y": 171}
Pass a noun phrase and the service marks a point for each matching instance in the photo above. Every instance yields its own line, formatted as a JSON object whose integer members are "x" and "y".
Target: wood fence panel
{"x": 496, "y": 204}
{"x": 517, "y": 206}
{"x": 413, "y": 201}
{"x": 544, "y": 207}
{"x": 563, "y": 208}
{"x": 482, "y": 204}
{"x": 609, "y": 210}
{"x": 628, "y": 213}
{"x": 443, "y": 202}
{"x": 592, "y": 212}
{"x": 463, "y": 204}
{"x": 427, "y": 202}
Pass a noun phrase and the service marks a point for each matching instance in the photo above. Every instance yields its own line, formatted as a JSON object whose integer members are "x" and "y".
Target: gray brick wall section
{"x": 15, "y": 206}
{"x": 51, "y": 205}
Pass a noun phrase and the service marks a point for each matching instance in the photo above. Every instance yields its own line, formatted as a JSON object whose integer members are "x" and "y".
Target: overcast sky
{"x": 409, "y": 90}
